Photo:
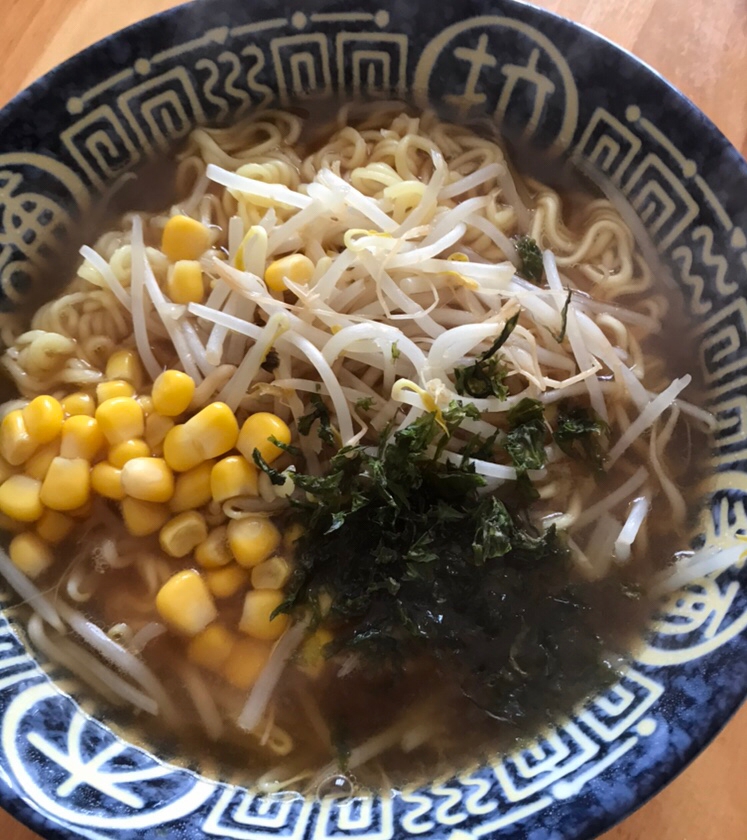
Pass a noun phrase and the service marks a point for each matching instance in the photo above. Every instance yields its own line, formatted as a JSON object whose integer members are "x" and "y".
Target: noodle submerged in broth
{"x": 362, "y": 448}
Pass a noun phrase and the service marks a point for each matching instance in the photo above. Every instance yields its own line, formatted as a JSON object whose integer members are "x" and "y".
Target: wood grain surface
{"x": 702, "y": 49}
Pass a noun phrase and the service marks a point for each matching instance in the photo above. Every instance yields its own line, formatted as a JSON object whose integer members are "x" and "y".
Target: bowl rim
{"x": 24, "y": 809}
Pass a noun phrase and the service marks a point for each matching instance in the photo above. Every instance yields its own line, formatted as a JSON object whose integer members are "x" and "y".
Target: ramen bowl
{"x": 65, "y": 141}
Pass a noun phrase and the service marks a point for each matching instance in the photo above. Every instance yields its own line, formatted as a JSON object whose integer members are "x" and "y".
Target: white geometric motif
{"x": 301, "y": 66}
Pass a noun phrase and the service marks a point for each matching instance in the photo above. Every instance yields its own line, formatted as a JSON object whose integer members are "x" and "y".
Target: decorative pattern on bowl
{"x": 69, "y": 136}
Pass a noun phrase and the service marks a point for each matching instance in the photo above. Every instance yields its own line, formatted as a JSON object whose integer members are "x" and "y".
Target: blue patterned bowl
{"x": 65, "y": 773}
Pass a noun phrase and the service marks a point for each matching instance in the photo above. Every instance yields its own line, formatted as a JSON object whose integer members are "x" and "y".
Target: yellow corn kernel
{"x": 181, "y": 449}
{"x": 112, "y": 389}
{"x": 6, "y": 470}
{"x": 311, "y": 653}
{"x": 121, "y": 418}
{"x": 272, "y": 573}
{"x": 156, "y": 428}
{"x": 256, "y": 433}
{"x": 211, "y": 648}
{"x": 295, "y": 267}
{"x": 292, "y": 535}
{"x": 192, "y": 488}
{"x": 245, "y": 663}
{"x": 210, "y": 433}
{"x": 53, "y": 527}
{"x": 146, "y": 403}
{"x": 213, "y": 551}
{"x": 67, "y": 484}
{"x": 233, "y": 476}
{"x": 38, "y": 464}
{"x": 16, "y": 444}
{"x": 184, "y": 602}
{"x": 79, "y": 403}
{"x": 81, "y": 437}
{"x": 148, "y": 479}
{"x": 184, "y": 239}
{"x": 30, "y": 554}
{"x": 20, "y": 498}
{"x": 252, "y": 539}
{"x": 226, "y": 582}
{"x": 143, "y": 518}
{"x": 126, "y": 451}
{"x": 183, "y": 533}
{"x": 106, "y": 480}
{"x": 125, "y": 364}
{"x": 43, "y": 417}
{"x": 172, "y": 392}
{"x": 255, "y": 618}
{"x": 215, "y": 428}
{"x": 184, "y": 282}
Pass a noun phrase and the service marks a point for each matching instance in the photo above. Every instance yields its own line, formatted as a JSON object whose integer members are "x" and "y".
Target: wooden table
{"x": 706, "y": 57}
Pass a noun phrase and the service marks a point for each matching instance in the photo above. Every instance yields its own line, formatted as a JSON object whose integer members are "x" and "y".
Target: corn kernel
{"x": 184, "y": 602}
{"x": 67, "y": 484}
{"x": 292, "y": 535}
{"x": 311, "y": 656}
{"x": 106, "y": 480}
{"x": 122, "y": 453}
{"x": 53, "y": 527}
{"x": 233, "y": 476}
{"x": 184, "y": 239}
{"x": 255, "y": 618}
{"x": 156, "y": 429}
{"x": 145, "y": 401}
{"x": 16, "y": 444}
{"x": 81, "y": 437}
{"x": 143, "y": 518}
{"x": 38, "y": 464}
{"x": 112, "y": 389}
{"x": 30, "y": 554}
{"x": 211, "y": 648}
{"x": 183, "y": 533}
{"x": 256, "y": 433}
{"x": 20, "y": 498}
{"x": 245, "y": 663}
{"x": 226, "y": 582}
{"x": 172, "y": 392}
{"x": 181, "y": 449}
{"x": 215, "y": 428}
{"x": 192, "y": 488}
{"x": 213, "y": 551}
{"x": 252, "y": 539}
{"x": 295, "y": 267}
{"x": 272, "y": 573}
{"x": 43, "y": 417}
{"x": 184, "y": 282}
{"x": 79, "y": 403}
{"x": 125, "y": 364}
{"x": 121, "y": 418}
{"x": 148, "y": 479}
{"x": 210, "y": 433}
